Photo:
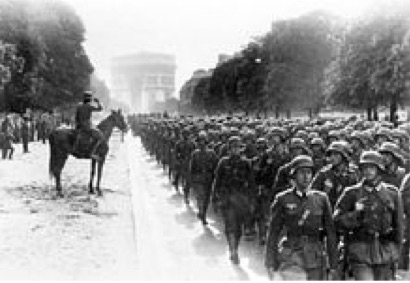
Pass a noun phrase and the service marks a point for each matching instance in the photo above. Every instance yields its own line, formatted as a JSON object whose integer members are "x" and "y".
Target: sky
{"x": 195, "y": 31}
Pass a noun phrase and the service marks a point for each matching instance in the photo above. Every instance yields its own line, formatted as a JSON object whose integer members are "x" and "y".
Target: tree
{"x": 373, "y": 62}
{"x": 100, "y": 90}
{"x": 300, "y": 50}
{"x": 48, "y": 35}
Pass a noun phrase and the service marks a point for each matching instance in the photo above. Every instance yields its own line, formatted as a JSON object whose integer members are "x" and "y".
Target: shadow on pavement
{"x": 176, "y": 200}
{"x": 208, "y": 245}
{"x": 186, "y": 217}
{"x": 242, "y": 275}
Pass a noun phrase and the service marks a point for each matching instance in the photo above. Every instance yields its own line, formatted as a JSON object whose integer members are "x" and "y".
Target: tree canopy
{"x": 48, "y": 37}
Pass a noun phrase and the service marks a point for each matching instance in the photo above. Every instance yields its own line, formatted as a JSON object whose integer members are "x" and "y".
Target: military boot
{"x": 233, "y": 248}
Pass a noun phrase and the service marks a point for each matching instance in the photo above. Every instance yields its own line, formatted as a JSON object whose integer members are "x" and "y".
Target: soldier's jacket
{"x": 223, "y": 150}
{"x": 356, "y": 156}
{"x": 270, "y": 163}
{"x": 282, "y": 180}
{"x": 202, "y": 166}
{"x": 307, "y": 221}
{"x": 333, "y": 183}
{"x": 250, "y": 151}
{"x": 405, "y": 194}
{"x": 319, "y": 162}
{"x": 394, "y": 178}
{"x": 375, "y": 234}
{"x": 234, "y": 174}
{"x": 258, "y": 169}
{"x": 184, "y": 149}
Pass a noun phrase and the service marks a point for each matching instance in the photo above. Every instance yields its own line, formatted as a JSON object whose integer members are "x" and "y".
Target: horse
{"x": 61, "y": 142}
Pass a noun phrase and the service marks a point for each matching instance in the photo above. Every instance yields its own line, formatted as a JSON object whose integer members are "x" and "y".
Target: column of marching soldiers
{"x": 327, "y": 198}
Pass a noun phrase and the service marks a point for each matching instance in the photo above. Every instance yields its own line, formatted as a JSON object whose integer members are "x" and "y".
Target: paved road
{"x": 171, "y": 243}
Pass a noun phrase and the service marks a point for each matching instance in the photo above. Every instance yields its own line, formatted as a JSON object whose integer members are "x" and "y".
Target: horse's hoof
{"x": 60, "y": 195}
{"x": 91, "y": 192}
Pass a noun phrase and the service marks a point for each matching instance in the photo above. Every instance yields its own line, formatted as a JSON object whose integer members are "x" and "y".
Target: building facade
{"x": 143, "y": 79}
{"x": 187, "y": 90}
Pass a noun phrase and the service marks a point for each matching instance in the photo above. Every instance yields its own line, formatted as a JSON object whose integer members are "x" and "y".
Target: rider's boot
{"x": 75, "y": 145}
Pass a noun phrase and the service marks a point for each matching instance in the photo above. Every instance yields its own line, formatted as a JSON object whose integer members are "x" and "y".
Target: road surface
{"x": 141, "y": 229}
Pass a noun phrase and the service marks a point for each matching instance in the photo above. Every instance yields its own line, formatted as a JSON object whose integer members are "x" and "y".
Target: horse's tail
{"x": 53, "y": 155}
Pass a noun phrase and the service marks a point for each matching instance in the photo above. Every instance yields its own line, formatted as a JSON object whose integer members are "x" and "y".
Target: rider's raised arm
{"x": 98, "y": 107}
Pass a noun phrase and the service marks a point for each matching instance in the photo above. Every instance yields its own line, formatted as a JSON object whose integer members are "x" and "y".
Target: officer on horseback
{"x": 84, "y": 126}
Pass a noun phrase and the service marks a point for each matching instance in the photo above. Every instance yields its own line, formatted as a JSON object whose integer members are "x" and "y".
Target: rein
{"x": 106, "y": 126}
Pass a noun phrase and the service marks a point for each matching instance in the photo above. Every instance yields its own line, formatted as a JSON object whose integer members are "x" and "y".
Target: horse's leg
{"x": 59, "y": 189}
{"x": 56, "y": 172}
{"x": 99, "y": 172}
{"x": 11, "y": 153}
{"x": 90, "y": 185}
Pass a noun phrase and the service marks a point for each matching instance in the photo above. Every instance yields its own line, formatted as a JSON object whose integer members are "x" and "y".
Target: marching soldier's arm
{"x": 275, "y": 228}
{"x": 318, "y": 181}
{"x": 345, "y": 216}
{"x": 251, "y": 182}
{"x": 279, "y": 180}
{"x": 399, "y": 219}
{"x": 192, "y": 163}
{"x": 216, "y": 185}
{"x": 330, "y": 233}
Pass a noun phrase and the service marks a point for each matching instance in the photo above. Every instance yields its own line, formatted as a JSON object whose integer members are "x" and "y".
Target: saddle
{"x": 82, "y": 144}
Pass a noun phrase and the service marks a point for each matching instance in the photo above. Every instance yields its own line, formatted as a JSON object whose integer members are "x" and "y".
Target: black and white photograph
{"x": 192, "y": 140}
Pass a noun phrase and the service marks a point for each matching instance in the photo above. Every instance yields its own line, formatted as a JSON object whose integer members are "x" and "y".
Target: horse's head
{"x": 119, "y": 120}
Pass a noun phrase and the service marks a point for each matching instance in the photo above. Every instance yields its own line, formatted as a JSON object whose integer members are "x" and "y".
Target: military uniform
{"x": 183, "y": 150}
{"x": 333, "y": 181}
{"x": 202, "y": 167}
{"x": 234, "y": 187}
{"x": 304, "y": 219}
{"x": 405, "y": 192}
{"x": 370, "y": 215}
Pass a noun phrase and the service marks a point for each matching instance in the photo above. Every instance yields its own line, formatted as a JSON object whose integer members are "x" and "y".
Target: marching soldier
{"x": 234, "y": 187}
{"x": 370, "y": 213}
{"x": 405, "y": 193}
{"x": 305, "y": 216}
{"x": 318, "y": 148}
{"x": 335, "y": 177}
{"x": 202, "y": 167}
{"x": 394, "y": 161}
{"x": 25, "y": 133}
{"x": 184, "y": 149}
{"x": 282, "y": 181}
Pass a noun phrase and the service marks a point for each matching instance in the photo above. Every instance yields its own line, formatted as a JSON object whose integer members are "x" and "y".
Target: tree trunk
{"x": 277, "y": 113}
{"x": 375, "y": 114}
{"x": 310, "y": 113}
{"x": 288, "y": 114}
{"x": 369, "y": 113}
{"x": 393, "y": 109}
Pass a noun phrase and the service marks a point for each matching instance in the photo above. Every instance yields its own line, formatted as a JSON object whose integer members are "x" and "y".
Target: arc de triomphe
{"x": 143, "y": 79}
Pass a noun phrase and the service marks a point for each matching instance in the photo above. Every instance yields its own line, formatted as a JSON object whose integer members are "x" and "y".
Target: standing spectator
{"x": 25, "y": 133}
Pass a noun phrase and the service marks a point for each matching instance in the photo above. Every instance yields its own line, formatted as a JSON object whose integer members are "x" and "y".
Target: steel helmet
{"x": 372, "y": 157}
{"x": 318, "y": 141}
{"x": 394, "y": 150}
{"x": 358, "y": 136}
{"x": 234, "y": 139}
{"x": 383, "y": 132}
{"x": 340, "y": 146}
{"x": 301, "y": 161}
